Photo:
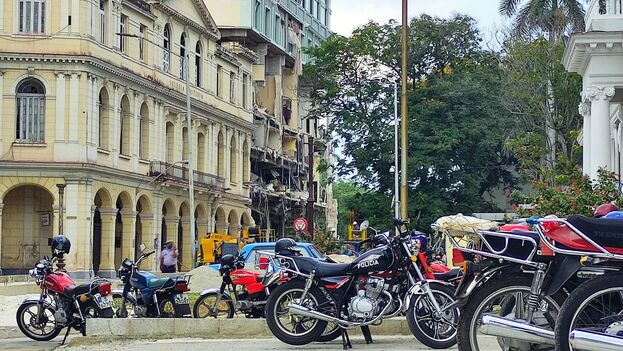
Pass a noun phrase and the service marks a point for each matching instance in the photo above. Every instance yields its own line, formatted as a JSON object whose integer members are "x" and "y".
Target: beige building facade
{"x": 104, "y": 115}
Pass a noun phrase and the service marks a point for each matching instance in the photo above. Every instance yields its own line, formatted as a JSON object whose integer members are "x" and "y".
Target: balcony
{"x": 179, "y": 174}
{"x": 604, "y": 16}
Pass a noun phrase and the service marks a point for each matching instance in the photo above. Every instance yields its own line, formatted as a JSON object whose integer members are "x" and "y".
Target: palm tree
{"x": 554, "y": 17}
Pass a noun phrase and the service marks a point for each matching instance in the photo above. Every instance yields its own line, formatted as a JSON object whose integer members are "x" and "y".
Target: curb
{"x": 138, "y": 328}
{"x": 7, "y": 332}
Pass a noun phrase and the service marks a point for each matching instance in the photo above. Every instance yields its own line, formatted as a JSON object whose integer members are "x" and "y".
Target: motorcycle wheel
{"x": 498, "y": 296}
{"x": 167, "y": 308}
{"x": 331, "y": 332}
{"x": 45, "y": 329}
{"x": 201, "y": 308}
{"x": 437, "y": 332}
{"x": 130, "y": 302}
{"x": 590, "y": 307}
{"x": 294, "y": 330}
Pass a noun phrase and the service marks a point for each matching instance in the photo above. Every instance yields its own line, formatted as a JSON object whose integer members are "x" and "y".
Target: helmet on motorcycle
{"x": 604, "y": 209}
{"x": 286, "y": 247}
{"x": 227, "y": 261}
{"x": 60, "y": 245}
{"x": 614, "y": 215}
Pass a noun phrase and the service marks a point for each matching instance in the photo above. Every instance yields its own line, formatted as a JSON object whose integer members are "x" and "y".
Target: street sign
{"x": 300, "y": 224}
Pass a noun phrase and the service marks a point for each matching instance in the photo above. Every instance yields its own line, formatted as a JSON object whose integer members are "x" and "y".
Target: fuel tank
{"x": 248, "y": 279}
{"x": 58, "y": 282}
{"x": 374, "y": 260}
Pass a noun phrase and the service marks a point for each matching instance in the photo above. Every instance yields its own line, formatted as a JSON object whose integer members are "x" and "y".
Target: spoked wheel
{"x": 291, "y": 328}
{"x": 205, "y": 306}
{"x": 330, "y": 333}
{"x": 596, "y": 305}
{"x": 130, "y": 302}
{"x": 435, "y": 330}
{"x": 505, "y": 297}
{"x": 167, "y": 308}
{"x": 37, "y": 321}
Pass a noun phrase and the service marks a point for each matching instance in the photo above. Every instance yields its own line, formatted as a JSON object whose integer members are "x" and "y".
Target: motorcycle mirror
{"x": 142, "y": 247}
{"x": 364, "y": 225}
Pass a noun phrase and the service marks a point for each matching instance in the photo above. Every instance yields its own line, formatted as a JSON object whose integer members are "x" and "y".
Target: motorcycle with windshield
{"x": 381, "y": 283}
{"x": 147, "y": 295}
{"x": 62, "y": 303}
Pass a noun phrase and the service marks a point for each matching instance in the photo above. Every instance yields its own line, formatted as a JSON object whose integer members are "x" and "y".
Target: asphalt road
{"x": 394, "y": 343}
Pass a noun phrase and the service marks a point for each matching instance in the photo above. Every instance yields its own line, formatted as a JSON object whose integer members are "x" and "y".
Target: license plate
{"x": 181, "y": 299}
{"x": 104, "y": 301}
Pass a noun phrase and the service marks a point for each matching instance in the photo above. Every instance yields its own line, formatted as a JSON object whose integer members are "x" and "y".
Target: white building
{"x": 597, "y": 55}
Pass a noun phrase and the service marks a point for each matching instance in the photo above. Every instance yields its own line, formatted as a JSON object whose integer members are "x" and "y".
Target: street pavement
{"x": 394, "y": 343}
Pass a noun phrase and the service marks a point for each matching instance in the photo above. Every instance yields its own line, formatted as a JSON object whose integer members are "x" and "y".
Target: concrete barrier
{"x": 138, "y": 328}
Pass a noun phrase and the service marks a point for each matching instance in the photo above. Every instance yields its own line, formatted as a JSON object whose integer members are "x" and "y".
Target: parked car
{"x": 249, "y": 252}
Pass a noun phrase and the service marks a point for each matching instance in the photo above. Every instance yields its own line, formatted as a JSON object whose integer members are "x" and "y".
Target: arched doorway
{"x": 122, "y": 224}
{"x": 168, "y": 209}
{"x": 143, "y": 223}
{"x": 220, "y": 221}
{"x": 234, "y": 224}
{"x": 183, "y": 232}
{"x": 26, "y": 227}
{"x": 102, "y": 200}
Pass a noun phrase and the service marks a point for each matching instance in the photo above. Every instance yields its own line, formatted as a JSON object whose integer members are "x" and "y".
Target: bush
{"x": 324, "y": 242}
{"x": 573, "y": 193}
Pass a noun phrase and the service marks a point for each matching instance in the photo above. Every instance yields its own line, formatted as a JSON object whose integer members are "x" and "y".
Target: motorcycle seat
{"x": 323, "y": 269}
{"x": 449, "y": 275}
{"x": 73, "y": 291}
{"x": 160, "y": 283}
{"x": 604, "y": 231}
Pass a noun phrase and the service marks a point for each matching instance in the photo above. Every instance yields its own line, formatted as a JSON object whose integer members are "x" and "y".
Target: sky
{"x": 349, "y": 14}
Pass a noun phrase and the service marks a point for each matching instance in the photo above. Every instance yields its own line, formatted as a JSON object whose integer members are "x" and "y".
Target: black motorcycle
{"x": 360, "y": 293}
{"x": 148, "y": 295}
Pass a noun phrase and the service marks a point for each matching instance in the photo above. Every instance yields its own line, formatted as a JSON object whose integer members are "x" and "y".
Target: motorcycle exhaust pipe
{"x": 306, "y": 312}
{"x": 514, "y": 329}
{"x": 594, "y": 341}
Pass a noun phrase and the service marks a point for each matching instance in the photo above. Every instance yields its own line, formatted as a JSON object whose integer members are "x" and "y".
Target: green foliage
{"x": 456, "y": 128}
{"x": 573, "y": 193}
{"x": 373, "y": 206}
{"x": 324, "y": 241}
{"x": 536, "y": 89}
{"x": 554, "y": 17}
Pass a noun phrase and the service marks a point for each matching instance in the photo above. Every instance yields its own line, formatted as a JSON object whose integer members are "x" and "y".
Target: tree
{"x": 456, "y": 126}
{"x": 368, "y": 205}
{"x": 553, "y": 18}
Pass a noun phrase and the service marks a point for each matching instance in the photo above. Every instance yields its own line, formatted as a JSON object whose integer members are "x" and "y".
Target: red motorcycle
{"x": 241, "y": 290}
{"x": 62, "y": 303}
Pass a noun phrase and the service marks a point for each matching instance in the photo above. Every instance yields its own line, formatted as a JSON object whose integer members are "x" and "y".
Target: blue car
{"x": 249, "y": 252}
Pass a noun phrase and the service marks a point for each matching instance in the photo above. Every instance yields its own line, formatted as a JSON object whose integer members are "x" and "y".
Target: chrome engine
{"x": 365, "y": 304}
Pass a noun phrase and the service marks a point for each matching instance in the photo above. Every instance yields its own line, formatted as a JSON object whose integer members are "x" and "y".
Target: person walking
{"x": 168, "y": 258}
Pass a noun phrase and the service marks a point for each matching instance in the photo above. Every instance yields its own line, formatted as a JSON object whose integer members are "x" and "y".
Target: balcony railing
{"x": 168, "y": 171}
{"x": 604, "y": 15}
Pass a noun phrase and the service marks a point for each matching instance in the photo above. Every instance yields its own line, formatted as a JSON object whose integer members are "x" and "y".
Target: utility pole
{"x": 310, "y": 187}
{"x": 60, "y": 264}
{"x": 191, "y": 169}
{"x": 396, "y": 172}
{"x": 404, "y": 189}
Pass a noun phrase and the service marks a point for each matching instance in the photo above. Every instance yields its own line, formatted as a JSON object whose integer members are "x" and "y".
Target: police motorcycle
{"x": 360, "y": 293}
{"x": 62, "y": 303}
{"x": 147, "y": 295}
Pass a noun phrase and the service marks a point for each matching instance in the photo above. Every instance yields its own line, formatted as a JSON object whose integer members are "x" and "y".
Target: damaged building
{"x": 277, "y": 31}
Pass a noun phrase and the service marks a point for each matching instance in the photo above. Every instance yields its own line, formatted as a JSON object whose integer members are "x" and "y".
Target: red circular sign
{"x": 300, "y": 224}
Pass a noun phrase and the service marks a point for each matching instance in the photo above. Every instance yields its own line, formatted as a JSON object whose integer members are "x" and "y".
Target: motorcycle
{"x": 149, "y": 295}
{"x": 249, "y": 291}
{"x": 525, "y": 278}
{"x": 62, "y": 303}
{"x": 381, "y": 283}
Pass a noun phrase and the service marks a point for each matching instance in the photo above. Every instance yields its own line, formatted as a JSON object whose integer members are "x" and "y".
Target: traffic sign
{"x": 300, "y": 225}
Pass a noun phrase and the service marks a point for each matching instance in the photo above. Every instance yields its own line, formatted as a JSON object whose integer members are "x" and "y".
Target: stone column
{"x": 172, "y": 224}
{"x": 107, "y": 251}
{"x": 1, "y": 102}
{"x": 202, "y": 227}
{"x": 147, "y": 220}
{"x": 585, "y": 111}
{"x": 600, "y": 127}
{"x": 128, "y": 219}
{"x": 74, "y": 94}
{"x": 59, "y": 134}
{"x": 234, "y": 230}
{"x": 222, "y": 227}
{"x": 185, "y": 257}
{"x": 1, "y": 207}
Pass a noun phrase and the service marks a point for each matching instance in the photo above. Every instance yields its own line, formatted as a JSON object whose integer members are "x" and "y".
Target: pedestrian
{"x": 168, "y": 258}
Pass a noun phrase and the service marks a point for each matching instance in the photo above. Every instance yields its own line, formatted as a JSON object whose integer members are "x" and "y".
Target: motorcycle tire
{"x": 414, "y": 318}
{"x": 166, "y": 306}
{"x": 130, "y": 302}
{"x": 291, "y": 290}
{"x": 492, "y": 287}
{"x": 574, "y": 305}
{"x": 332, "y": 332}
{"x": 29, "y": 333}
{"x": 197, "y": 313}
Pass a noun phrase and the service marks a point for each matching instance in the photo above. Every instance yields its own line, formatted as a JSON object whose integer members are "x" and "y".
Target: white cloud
{"x": 349, "y": 14}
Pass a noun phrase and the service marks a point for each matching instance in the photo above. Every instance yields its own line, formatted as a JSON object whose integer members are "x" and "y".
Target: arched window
{"x": 170, "y": 145}
{"x": 166, "y": 57}
{"x": 246, "y": 162}
{"x": 198, "y": 64}
{"x": 221, "y": 155}
{"x": 124, "y": 128}
{"x": 30, "y": 119}
{"x": 233, "y": 161}
{"x": 143, "y": 138}
{"x": 183, "y": 56}
{"x": 104, "y": 120}
{"x": 201, "y": 152}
